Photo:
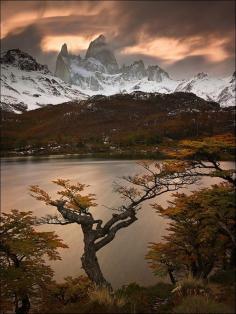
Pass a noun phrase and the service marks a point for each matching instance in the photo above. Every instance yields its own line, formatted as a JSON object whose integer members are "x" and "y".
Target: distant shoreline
{"x": 97, "y": 156}
{"x": 103, "y": 156}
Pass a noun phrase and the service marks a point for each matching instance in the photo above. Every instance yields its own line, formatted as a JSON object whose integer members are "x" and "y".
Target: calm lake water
{"x": 122, "y": 261}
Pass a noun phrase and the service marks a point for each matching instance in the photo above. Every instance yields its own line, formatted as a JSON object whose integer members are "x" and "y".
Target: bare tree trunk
{"x": 92, "y": 268}
{"x": 171, "y": 275}
{"x": 90, "y": 262}
{"x": 25, "y": 305}
{"x": 232, "y": 258}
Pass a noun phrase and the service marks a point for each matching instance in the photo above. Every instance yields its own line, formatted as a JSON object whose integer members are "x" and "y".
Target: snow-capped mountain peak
{"x": 64, "y": 50}
{"x": 215, "y": 89}
{"x": 98, "y": 72}
{"x": 22, "y": 60}
{"x": 27, "y": 84}
{"x": 101, "y": 51}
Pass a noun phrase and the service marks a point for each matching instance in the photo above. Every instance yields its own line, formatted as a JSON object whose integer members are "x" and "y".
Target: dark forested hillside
{"x": 102, "y": 124}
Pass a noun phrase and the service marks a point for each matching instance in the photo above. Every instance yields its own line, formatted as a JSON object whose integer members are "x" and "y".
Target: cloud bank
{"x": 181, "y": 36}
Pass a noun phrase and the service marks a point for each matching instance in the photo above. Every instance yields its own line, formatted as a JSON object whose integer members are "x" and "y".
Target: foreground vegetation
{"x": 197, "y": 256}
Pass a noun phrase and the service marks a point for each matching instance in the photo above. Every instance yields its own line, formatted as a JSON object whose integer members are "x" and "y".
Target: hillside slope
{"x": 103, "y": 123}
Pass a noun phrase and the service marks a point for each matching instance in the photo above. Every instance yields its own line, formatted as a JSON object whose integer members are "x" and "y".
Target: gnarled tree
{"x": 73, "y": 207}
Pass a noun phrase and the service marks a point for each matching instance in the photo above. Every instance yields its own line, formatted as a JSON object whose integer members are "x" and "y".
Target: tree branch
{"x": 52, "y": 220}
{"x": 70, "y": 215}
{"x": 112, "y": 232}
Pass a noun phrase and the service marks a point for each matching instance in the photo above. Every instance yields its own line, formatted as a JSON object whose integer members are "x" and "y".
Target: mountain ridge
{"x": 93, "y": 75}
{"x": 27, "y": 84}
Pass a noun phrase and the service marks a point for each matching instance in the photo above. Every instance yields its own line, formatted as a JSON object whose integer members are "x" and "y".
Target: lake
{"x": 122, "y": 261}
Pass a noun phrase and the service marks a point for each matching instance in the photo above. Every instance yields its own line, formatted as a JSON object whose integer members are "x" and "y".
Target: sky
{"x": 183, "y": 37}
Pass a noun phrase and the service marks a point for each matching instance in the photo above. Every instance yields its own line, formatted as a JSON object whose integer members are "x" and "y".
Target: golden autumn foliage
{"x": 70, "y": 194}
{"x": 40, "y": 194}
{"x": 203, "y": 148}
{"x": 23, "y": 255}
{"x": 201, "y": 232}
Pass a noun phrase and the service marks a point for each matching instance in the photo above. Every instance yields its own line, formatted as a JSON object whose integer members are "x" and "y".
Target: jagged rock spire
{"x": 62, "y": 66}
{"x": 64, "y": 50}
{"x": 100, "y": 50}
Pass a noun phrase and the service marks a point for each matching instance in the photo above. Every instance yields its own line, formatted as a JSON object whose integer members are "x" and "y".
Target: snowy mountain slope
{"x": 216, "y": 89}
{"x": 226, "y": 96}
{"x": 27, "y": 85}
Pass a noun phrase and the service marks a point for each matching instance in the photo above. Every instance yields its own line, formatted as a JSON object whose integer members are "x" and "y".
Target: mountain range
{"x": 26, "y": 84}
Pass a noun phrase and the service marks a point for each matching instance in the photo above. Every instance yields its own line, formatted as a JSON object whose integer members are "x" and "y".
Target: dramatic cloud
{"x": 182, "y": 36}
{"x": 76, "y": 42}
{"x": 171, "y": 49}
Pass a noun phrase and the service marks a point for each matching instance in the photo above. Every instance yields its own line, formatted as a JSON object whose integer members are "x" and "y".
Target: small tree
{"x": 73, "y": 207}
{"x": 200, "y": 232}
{"x": 23, "y": 270}
{"x": 164, "y": 260}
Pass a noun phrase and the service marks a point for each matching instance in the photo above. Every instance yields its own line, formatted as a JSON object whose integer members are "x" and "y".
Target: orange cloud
{"x": 74, "y": 43}
{"x": 172, "y": 50}
{"x": 16, "y": 22}
{"x": 24, "y": 18}
{"x": 79, "y": 10}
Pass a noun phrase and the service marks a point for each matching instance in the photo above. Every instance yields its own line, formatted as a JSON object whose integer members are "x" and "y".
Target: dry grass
{"x": 191, "y": 286}
{"x": 103, "y": 296}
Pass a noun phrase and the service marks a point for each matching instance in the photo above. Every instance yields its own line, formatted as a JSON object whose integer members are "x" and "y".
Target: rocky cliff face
{"x": 22, "y": 60}
{"x": 62, "y": 65}
{"x": 157, "y": 74}
{"x": 99, "y": 72}
{"x": 135, "y": 71}
{"x": 100, "y": 50}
